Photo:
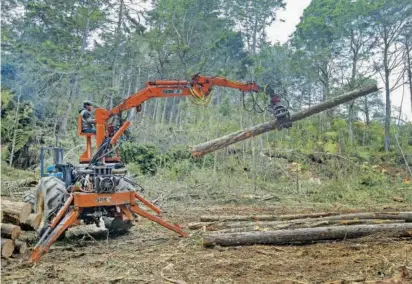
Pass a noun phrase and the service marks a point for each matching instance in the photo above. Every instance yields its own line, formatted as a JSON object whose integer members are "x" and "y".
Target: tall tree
{"x": 351, "y": 23}
{"x": 253, "y": 17}
{"x": 390, "y": 18}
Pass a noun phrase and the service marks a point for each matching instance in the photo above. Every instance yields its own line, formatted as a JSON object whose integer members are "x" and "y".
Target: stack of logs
{"x": 15, "y": 217}
{"x": 298, "y": 229}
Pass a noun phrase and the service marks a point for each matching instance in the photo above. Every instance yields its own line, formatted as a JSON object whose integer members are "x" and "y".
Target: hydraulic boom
{"x": 199, "y": 87}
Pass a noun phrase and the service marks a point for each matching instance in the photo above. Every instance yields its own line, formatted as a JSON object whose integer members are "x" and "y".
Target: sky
{"x": 281, "y": 30}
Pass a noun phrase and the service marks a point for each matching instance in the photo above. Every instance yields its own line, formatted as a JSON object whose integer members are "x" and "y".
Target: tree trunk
{"x": 367, "y": 118}
{"x": 10, "y": 231}
{"x": 74, "y": 89}
{"x": 15, "y": 212}
{"x": 312, "y": 224}
{"x": 409, "y": 69}
{"x": 387, "y": 139}
{"x": 355, "y": 51}
{"x": 350, "y": 119}
{"x": 407, "y": 216}
{"x": 298, "y": 223}
{"x": 306, "y": 235}
{"x": 7, "y": 247}
{"x": 216, "y": 144}
{"x": 266, "y": 217}
{"x": 16, "y": 122}
{"x": 254, "y": 35}
{"x": 115, "y": 71}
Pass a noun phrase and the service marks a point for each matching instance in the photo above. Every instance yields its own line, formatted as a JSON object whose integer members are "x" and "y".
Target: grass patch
{"x": 12, "y": 174}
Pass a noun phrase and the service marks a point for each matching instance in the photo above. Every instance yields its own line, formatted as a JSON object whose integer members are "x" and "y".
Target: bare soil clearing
{"x": 152, "y": 254}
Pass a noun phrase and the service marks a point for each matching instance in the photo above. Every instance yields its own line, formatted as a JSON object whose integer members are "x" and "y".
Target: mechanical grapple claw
{"x": 282, "y": 116}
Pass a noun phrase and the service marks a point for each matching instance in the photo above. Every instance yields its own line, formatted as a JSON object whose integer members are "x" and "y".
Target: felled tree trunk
{"x": 15, "y": 212}
{"x": 208, "y": 218}
{"x": 407, "y": 216}
{"x": 305, "y": 235}
{"x": 315, "y": 224}
{"x": 216, "y": 144}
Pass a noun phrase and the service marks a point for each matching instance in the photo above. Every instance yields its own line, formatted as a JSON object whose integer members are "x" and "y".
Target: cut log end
{"x": 10, "y": 231}
{"x": 25, "y": 212}
{"x": 16, "y": 212}
{"x": 33, "y": 222}
{"x": 7, "y": 247}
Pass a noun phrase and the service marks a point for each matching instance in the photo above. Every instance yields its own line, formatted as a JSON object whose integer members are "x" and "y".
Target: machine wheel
{"x": 117, "y": 226}
{"x": 30, "y": 197}
{"x": 50, "y": 196}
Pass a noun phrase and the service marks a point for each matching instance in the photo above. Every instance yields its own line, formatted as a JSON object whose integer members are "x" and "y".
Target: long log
{"x": 264, "y": 227}
{"x": 7, "y": 247}
{"x": 218, "y": 143}
{"x": 10, "y": 231}
{"x": 316, "y": 222}
{"x": 15, "y": 212}
{"x": 305, "y": 235}
{"x": 208, "y": 218}
{"x": 20, "y": 246}
{"x": 407, "y": 216}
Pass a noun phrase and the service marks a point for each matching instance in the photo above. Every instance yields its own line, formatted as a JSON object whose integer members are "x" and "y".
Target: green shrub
{"x": 145, "y": 156}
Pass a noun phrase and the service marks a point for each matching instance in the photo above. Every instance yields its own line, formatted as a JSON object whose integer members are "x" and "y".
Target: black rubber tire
{"x": 50, "y": 196}
{"x": 117, "y": 226}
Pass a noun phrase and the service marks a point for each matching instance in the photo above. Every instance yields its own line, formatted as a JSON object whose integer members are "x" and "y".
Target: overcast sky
{"x": 280, "y": 31}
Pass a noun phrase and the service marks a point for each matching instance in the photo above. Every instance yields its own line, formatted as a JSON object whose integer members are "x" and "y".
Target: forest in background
{"x": 55, "y": 54}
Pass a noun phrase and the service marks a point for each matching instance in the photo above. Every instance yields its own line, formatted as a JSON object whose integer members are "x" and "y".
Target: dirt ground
{"x": 152, "y": 254}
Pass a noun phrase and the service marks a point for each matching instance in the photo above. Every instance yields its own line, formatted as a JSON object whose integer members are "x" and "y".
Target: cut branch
{"x": 216, "y": 144}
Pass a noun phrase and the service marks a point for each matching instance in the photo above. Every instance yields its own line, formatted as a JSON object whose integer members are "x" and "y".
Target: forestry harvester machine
{"x": 98, "y": 189}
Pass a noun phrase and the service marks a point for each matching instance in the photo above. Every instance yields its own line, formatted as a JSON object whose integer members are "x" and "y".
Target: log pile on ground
{"x": 300, "y": 229}
{"x": 16, "y": 217}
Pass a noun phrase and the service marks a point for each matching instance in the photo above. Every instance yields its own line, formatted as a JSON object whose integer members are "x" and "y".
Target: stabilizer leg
{"x": 148, "y": 203}
{"x": 136, "y": 209}
{"x": 51, "y": 235}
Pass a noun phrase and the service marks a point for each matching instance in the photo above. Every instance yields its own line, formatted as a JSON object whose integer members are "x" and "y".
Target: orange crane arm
{"x": 200, "y": 86}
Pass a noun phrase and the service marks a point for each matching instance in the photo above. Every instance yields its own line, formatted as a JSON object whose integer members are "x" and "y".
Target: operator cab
{"x": 87, "y": 155}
